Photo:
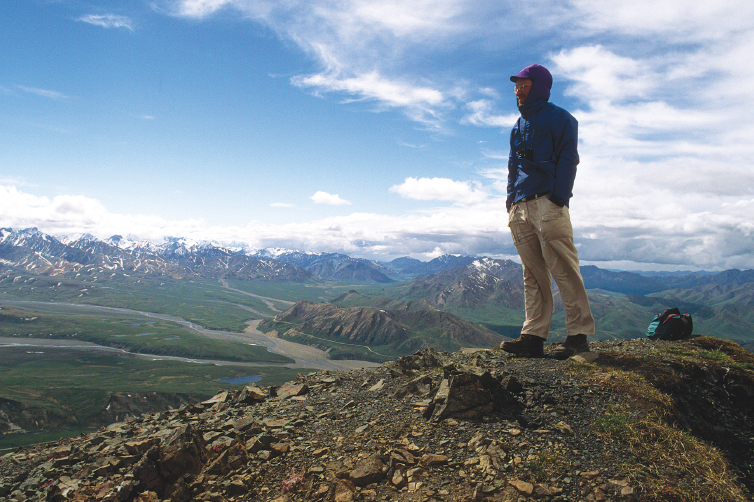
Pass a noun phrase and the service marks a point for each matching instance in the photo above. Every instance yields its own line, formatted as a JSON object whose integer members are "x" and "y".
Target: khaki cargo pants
{"x": 543, "y": 237}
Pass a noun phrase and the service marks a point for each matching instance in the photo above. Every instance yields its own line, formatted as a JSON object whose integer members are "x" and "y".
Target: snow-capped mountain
{"x": 39, "y": 253}
{"x": 36, "y": 251}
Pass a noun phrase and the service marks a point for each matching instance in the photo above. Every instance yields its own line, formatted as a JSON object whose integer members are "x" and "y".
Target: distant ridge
{"x": 415, "y": 267}
{"x": 333, "y": 266}
{"x": 641, "y": 284}
{"x": 396, "y": 332}
{"x": 473, "y": 285}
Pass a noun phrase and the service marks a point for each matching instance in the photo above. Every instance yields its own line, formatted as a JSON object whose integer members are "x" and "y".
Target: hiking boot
{"x": 573, "y": 345}
{"x": 525, "y": 346}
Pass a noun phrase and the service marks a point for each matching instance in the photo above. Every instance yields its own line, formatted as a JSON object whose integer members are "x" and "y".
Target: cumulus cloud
{"x": 676, "y": 20}
{"x": 636, "y": 132}
{"x": 71, "y": 214}
{"x": 461, "y": 192}
{"x": 329, "y": 199}
{"x": 461, "y": 229}
{"x": 605, "y": 231}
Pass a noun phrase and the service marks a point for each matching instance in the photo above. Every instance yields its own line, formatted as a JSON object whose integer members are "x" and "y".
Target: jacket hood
{"x": 541, "y": 82}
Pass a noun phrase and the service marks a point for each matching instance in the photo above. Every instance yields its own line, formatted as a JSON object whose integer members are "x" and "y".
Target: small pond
{"x": 241, "y": 380}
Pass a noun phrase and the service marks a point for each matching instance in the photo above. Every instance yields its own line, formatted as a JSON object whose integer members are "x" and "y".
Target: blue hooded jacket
{"x": 551, "y": 133}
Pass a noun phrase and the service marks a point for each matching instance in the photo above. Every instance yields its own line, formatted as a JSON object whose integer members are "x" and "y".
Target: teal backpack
{"x": 670, "y": 324}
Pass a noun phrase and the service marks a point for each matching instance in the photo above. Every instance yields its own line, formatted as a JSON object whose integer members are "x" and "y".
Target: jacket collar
{"x": 528, "y": 108}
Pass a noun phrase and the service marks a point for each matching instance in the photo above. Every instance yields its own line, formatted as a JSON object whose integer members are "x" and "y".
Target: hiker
{"x": 541, "y": 170}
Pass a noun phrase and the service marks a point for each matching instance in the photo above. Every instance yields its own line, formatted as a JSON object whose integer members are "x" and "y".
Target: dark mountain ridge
{"x": 478, "y": 284}
{"x": 395, "y": 332}
{"x": 637, "y": 283}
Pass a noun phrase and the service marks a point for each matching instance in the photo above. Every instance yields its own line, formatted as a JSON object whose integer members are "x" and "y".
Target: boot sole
{"x": 525, "y": 353}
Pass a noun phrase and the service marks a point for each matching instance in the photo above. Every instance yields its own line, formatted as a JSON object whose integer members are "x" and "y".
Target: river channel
{"x": 303, "y": 355}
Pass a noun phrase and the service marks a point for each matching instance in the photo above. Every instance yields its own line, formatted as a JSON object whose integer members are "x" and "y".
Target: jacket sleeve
{"x": 512, "y": 173}
{"x": 565, "y": 143}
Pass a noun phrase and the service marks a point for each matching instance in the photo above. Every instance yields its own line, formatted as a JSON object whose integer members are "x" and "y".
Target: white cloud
{"x": 482, "y": 114}
{"x": 13, "y": 180}
{"x": 200, "y": 8}
{"x": 76, "y": 206}
{"x": 674, "y": 20}
{"x": 281, "y": 204}
{"x": 69, "y": 214}
{"x": 418, "y": 101}
{"x": 461, "y": 192}
{"x": 363, "y": 48}
{"x": 108, "y": 21}
{"x": 655, "y": 232}
{"x": 600, "y": 74}
{"x": 411, "y": 145}
{"x": 329, "y": 199}
{"x": 45, "y": 93}
{"x": 461, "y": 229}
{"x": 374, "y": 50}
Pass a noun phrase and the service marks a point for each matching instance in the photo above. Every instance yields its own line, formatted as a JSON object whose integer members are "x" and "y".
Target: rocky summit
{"x": 628, "y": 421}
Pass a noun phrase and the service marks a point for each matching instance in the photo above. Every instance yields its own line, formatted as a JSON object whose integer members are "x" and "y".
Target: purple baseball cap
{"x": 541, "y": 82}
{"x": 535, "y": 72}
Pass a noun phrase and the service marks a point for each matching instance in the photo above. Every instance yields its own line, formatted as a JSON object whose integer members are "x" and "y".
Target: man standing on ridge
{"x": 541, "y": 170}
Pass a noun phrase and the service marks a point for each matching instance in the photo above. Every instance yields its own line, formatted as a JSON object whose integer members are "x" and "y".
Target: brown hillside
{"x": 379, "y": 327}
{"x": 630, "y": 421}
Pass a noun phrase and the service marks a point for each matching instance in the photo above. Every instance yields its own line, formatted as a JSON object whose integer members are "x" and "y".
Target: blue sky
{"x": 377, "y": 128}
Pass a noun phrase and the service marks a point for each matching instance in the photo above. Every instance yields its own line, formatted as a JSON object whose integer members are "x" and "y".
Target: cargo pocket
{"x": 555, "y": 223}
{"x": 520, "y": 230}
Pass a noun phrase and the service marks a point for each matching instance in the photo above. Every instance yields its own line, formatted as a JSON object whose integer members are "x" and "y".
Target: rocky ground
{"x": 471, "y": 425}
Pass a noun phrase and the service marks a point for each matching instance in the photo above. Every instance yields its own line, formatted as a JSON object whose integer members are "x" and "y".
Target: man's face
{"x": 523, "y": 86}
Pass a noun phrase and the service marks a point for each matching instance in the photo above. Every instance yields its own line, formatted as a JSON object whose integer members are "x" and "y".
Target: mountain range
{"x": 34, "y": 250}
{"x": 84, "y": 254}
{"x": 486, "y": 291}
